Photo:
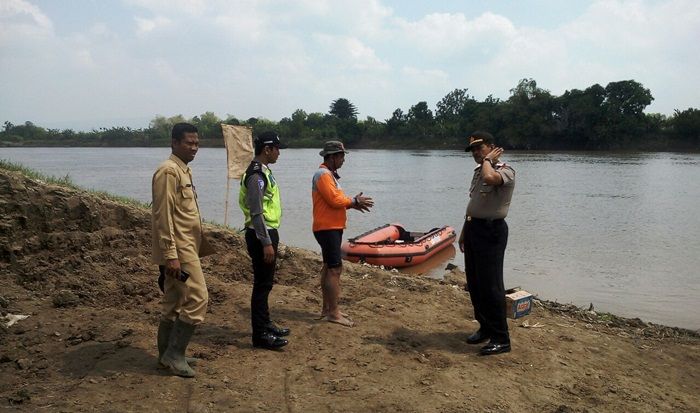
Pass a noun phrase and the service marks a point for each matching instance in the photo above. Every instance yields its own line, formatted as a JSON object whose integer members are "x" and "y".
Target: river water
{"x": 619, "y": 230}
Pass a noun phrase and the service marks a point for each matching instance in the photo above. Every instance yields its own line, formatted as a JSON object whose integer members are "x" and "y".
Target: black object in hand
{"x": 184, "y": 275}
{"x": 161, "y": 278}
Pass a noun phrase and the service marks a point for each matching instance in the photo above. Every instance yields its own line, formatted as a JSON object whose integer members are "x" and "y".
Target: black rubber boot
{"x": 164, "y": 329}
{"x": 174, "y": 356}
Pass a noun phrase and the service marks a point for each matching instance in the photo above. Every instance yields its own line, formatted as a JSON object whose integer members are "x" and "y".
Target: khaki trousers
{"x": 187, "y": 300}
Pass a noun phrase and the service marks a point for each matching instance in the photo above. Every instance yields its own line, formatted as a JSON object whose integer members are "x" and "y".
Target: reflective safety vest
{"x": 272, "y": 204}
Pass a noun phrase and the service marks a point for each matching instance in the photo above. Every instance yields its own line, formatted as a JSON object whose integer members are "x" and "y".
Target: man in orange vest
{"x": 329, "y": 209}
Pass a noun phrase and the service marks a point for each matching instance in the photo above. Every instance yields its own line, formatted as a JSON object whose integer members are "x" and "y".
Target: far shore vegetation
{"x": 532, "y": 118}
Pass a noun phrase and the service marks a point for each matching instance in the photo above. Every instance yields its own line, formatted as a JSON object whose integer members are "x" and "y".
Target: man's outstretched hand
{"x": 363, "y": 203}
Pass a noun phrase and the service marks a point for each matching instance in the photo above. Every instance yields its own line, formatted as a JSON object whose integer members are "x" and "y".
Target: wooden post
{"x": 228, "y": 188}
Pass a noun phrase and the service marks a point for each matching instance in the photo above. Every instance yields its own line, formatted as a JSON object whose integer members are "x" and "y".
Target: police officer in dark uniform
{"x": 259, "y": 199}
{"x": 483, "y": 241}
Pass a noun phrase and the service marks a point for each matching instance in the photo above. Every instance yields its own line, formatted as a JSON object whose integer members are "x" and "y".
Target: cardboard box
{"x": 518, "y": 303}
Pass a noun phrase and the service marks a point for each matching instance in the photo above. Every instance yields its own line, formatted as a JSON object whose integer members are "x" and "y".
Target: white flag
{"x": 239, "y": 148}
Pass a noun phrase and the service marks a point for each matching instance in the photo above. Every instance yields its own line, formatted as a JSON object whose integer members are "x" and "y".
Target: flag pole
{"x": 228, "y": 188}
{"x": 238, "y": 141}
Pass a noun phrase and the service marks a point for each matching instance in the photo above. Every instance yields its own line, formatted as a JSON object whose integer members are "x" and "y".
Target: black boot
{"x": 269, "y": 341}
{"x": 276, "y": 330}
{"x": 164, "y": 329}
{"x": 494, "y": 347}
{"x": 478, "y": 337}
{"x": 174, "y": 356}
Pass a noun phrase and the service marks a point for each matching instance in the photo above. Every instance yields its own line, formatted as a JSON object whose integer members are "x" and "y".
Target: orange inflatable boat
{"x": 391, "y": 245}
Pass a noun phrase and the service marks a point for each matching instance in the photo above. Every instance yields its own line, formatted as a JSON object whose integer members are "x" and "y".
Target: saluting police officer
{"x": 483, "y": 241}
{"x": 259, "y": 199}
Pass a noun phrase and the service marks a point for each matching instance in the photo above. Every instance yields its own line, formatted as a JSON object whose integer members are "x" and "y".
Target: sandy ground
{"x": 78, "y": 265}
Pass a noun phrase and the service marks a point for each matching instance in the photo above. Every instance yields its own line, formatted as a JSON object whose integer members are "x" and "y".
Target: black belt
{"x": 488, "y": 220}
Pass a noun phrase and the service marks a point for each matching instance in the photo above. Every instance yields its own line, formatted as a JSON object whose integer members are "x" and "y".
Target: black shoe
{"x": 494, "y": 348}
{"x": 278, "y": 331}
{"x": 269, "y": 341}
{"x": 478, "y": 337}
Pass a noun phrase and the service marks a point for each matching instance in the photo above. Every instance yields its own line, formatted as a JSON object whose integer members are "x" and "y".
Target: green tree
{"x": 372, "y": 130}
{"x": 343, "y": 109}
{"x": 315, "y": 121}
{"x": 452, "y": 105}
{"x": 262, "y": 125}
{"x": 298, "y": 124}
{"x": 685, "y": 127}
{"x": 209, "y": 126}
{"x": 454, "y": 111}
{"x": 486, "y": 115}
{"x": 623, "y": 109}
{"x": 396, "y": 125}
{"x": 231, "y": 120}
{"x": 578, "y": 116}
{"x": 160, "y": 128}
{"x": 627, "y": 98}
{"x": 120, "y": 136}
{"x": 420, "y": 120}
{"x": 529, "y": 116}
{"x": 525, "y": 91}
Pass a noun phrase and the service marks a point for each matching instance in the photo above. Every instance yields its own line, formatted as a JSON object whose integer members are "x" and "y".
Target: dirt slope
{"x": 78, "y": 265}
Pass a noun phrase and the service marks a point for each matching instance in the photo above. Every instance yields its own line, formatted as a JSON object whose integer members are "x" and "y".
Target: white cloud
{"x": 445, "y": 33}
{"x": 144, "y": 26}
{"x": 350, "y": 51}
{"x": 84, "y": 58}
{"x": 10, "y": 9}
{"x": 186, "y": 7}
{"x": 612, "y": 40}
{"x": 251, "y": 28}
{"x": 425, "y": 75}
{"x": 21, "y": 23}
{"x": 650, "y": 42}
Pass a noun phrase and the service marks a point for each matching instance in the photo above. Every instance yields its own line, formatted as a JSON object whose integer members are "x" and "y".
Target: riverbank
{"x": 78, "y": 264}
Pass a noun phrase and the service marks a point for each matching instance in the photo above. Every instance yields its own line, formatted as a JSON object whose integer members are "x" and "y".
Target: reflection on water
{"x": 615, "y": 229}
{"x": 434, "y": 267}
{"x": 611, "y": 196}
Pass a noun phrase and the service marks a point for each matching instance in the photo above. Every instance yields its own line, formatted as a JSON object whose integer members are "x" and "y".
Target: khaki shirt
{"x": 489, "y": 201}
{"x": 176, "y": 223}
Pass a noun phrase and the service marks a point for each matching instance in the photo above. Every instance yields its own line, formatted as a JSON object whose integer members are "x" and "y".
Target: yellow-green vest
{"x": 272, "y": 204}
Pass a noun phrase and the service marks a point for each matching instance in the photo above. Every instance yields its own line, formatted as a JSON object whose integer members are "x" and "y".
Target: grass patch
{"x": 119, "y": 198}
{"x": 222, "y": 226}
{"x": 606, "y": 317}
{"x": 66, "y": 182}
{"x": 36, "y": 175}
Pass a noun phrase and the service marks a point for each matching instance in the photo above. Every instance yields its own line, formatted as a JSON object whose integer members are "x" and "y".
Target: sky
{"x": 84, "y": 64}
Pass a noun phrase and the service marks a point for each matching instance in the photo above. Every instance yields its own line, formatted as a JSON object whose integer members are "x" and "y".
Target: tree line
{"x": 596, "y": 118}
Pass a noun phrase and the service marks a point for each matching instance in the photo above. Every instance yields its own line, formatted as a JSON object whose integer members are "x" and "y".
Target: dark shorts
{"x": 330, "y": 240}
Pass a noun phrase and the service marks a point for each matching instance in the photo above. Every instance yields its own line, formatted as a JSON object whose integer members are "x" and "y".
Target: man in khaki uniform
{"x": 483, "y": 241}
{"x": 177, "y": 248}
